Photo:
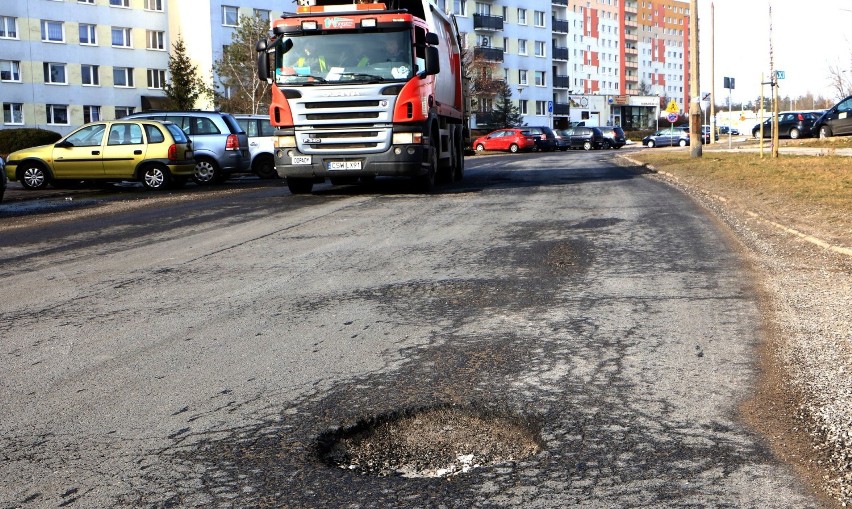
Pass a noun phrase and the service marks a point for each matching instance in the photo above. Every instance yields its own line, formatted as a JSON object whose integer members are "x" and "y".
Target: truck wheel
{"x": 459, "y": 155}
{"x": 299, "y": 186}
{"x": 426, "y": 183}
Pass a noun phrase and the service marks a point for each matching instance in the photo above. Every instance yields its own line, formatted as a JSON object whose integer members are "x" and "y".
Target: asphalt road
{"x": 189, "y": 349}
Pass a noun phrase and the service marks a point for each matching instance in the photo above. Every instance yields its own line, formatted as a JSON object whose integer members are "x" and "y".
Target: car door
{"x": 80, "y": 154}
{"x": 501, "y": 140}
{"x": 124, "y": 150}
{"x": 841, "y": 122}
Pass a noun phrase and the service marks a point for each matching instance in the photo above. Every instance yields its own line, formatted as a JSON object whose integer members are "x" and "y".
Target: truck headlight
{"x": 407, "y": 138}
{"x": 284, "y": 141}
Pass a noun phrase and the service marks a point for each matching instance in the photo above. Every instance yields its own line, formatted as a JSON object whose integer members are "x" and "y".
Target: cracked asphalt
{"x": 189, "y": 349}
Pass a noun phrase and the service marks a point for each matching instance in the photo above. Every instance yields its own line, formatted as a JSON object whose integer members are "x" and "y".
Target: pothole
{"x": 432, "y": 442}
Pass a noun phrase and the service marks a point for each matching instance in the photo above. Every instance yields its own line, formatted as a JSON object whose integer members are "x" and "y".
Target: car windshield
{"x": 346, "y": 57}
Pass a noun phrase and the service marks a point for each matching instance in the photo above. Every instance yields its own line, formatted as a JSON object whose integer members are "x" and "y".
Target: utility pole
{"x": 713, "y": 75}
{"x": 773, "y": 79}
{"x": 695, "y": 131}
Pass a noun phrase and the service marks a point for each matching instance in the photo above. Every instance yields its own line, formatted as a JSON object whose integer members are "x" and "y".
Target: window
{"x": 90, "y": 75}
{"x": 522, "y": 46}
{"x": 121, "y": 37}
{"x": 10, "y": 70}
{"x": 541, "y": 107}
{"x": 125, "y": 134}
{"x": 13, "y": 113}
{"x": 122, "y": 76}
{"x": 88, "y": 34}
{"x": 522, "y": 16}
{"x": 540, "y": 80}
{"x": 540, "y": 49}
{"x": 156, "y": 39}
{"x": 459, "y": 7}
{"x": 538, "y": 18}
{"x": 8, "y": 27}
{"x": 262, "y": 14}
{"x": 54, "y": 73}
{"x": 522, "y": 107}
{"x": 52, "y": 31}
{"x": 123, "y": 111}
{"x": 120, "y": 3}
{"x": 230, "y": 16}
{"x": 156, "y": 78}
{"x": 154, "y": 5}
{"x": 86, "y": 2}
{"x": 57, "y": 114}
{"x": 91, "y": 114}
{"x": 522, "y": 77}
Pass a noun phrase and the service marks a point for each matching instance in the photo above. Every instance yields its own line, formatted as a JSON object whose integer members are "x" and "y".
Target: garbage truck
{"x": 365, "y": 90}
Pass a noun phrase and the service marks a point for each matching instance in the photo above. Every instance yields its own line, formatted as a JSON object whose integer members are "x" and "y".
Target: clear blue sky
{"x": 808, "y": 37}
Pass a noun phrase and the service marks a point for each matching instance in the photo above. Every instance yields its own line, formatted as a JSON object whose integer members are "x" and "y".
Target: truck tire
{"x": 426, "y": 183}
{"x": 459, "y": 156}
{"x": 299, "y": 186}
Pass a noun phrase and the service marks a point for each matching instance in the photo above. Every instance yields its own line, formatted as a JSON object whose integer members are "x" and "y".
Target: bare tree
{"x": 242, "y": 91}
{"x": 840, "y": 80}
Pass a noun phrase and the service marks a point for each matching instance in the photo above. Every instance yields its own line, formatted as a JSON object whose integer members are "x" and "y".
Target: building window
{"x": 86, "y": 2}
{"x": 156, "y": 39}
{"x": 122, "y": 76}
{"x": 54, "y": 73}
{"x": 57, "y": 114}
{"x": 8, "y": 27}
{"x": 120, "y": 3}
{"x": 90, "y": 75}
{"x": 230, "y": 16}
{"x": 262, "y": 14}
{"x": 10, "y": 70}
{"x": 156, "y": 78}
{"x": 522, "y": 77}
{"x": 459, "y": 7}
{"x": 52, "y": 31}
{"x": 121, "y": 37}
{"x": 540, "y": 80}
{"x": 154, "y": 5}
{"x": 91, "y": 114}
{"x": 123, "y": 111}
{"x": 13, "y": 113}
{"x": 522, "y": 46}
{"x": 538, "y": 18}
{"x": 540, "y": 49}
{"x": 88, "y": 34}
{"x": 522, "y": 107}
{"x": 522, "y": 16}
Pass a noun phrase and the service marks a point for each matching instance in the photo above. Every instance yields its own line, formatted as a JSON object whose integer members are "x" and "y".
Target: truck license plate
{"x": 344, "y": 165}
{"x": 301, "y": 159}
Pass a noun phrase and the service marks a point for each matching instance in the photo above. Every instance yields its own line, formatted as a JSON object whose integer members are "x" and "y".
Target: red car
{"x": 511, "y": 139}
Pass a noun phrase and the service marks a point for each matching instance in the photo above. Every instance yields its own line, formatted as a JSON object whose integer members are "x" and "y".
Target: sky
{"x": 808, "y": 37}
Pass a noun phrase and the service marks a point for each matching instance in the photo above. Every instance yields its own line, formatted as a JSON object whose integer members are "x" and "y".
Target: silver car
{"x": 219, "y": 143}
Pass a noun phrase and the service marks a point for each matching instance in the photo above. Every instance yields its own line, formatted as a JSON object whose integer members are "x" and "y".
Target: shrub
{"x": 17, "y": 139}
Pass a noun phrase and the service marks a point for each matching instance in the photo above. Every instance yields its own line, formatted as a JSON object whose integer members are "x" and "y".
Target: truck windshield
{"x": 346, "y": 57}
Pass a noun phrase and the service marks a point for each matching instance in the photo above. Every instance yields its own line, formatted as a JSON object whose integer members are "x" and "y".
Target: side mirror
{"x": 262, "y": 60}
{"x": 432, "y": 39}
{"x": 433, "y": 65}
{"x": 64, "y": 144}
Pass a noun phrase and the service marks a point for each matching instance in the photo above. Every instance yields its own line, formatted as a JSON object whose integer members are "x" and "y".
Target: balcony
{"x": 561, "y": 108}
{"x": 559, "y": 2}
{"x": 560, "y": 53}
{"x": 488, "y": 54}
{"x": 485, "y": 22}
{"x": 631, "y": 7}
{"x": 560, "y": 81}
{"x": 560, "y": 25}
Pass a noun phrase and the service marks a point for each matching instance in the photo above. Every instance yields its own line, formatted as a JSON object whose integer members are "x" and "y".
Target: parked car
{"x": 544, "y": 136}
{"x": 705, "y": 135}
{"x": 2, "y": 178}
{"x": 511, "y": 139}
{"x": 583, "y": 137}
{"x": 219, "y": 143}
{"x": 791, "y": 124}
{"x": 613, "y": 137}
{"x": 260, "y": 133}
{"x": 836, "y": 121}
{"x": 156, "y": 153}
{"x": 729, "y": 130}
{"x": 668, "y": 137}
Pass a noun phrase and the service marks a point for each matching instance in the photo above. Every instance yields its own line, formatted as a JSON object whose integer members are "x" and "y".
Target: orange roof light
{"x": 311, "y": 9}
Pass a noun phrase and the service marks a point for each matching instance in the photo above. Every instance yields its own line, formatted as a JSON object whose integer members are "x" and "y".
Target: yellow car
{"x": 158, "y": 154}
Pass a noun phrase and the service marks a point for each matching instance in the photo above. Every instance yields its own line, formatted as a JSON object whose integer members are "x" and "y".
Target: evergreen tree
{"x": 185, "y": 86}
{"x": 242, "y": 90}
{"x": 505, "y": 113}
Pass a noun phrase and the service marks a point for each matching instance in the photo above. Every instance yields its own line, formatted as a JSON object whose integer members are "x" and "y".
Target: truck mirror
{"x": 432, "y": 39}
{"x": 433, "y": 65}
{"x": 262, "y": 60}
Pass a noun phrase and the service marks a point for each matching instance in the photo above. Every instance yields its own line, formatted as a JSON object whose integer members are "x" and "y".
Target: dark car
{"x": 511, "y": 139}
{"x": 705, "y": 134}
{"x": 613, "y": 137}
{"x": 545, "y": 138}
{"x": 791, "y": 124}
{"x": 583, "y": 137}
{"x": 729, "y": 130}
{"x": 668, "y": 137}
{"x": 836, "y": 121}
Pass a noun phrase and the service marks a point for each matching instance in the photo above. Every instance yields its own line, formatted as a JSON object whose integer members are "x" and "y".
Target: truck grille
{"x": 343, "y": 125}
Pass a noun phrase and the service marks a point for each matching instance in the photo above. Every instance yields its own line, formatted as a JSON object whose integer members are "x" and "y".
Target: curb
{"x": 809, "y": 238}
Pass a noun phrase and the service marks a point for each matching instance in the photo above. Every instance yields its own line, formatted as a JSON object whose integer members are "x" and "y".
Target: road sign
{"x": 672, "y": 107}
{"x": 779, "y": 75}
{"x": 729, "y": 83}
{"x": 672, "y": 117}
{"x": 550, "y": 106}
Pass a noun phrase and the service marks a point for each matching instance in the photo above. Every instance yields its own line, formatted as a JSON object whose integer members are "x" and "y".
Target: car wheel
{"x": 34, "y": 176}
{"x": 299, "y": 186}
{"x": 206, "y": 172}
{"x": 794, "y": 133}
{"x": 264, "y": 167}
{"x": 824, "y": 131}
{"x": 756, "y": 133}
{"x": 155, "y": 177}
{"x": 480, "y": 147}
{"x": 651, "y": 143}
{"x": 513, "y": 148}
{"x": 587, "y": 145}
{"x": 682, "y": 143}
